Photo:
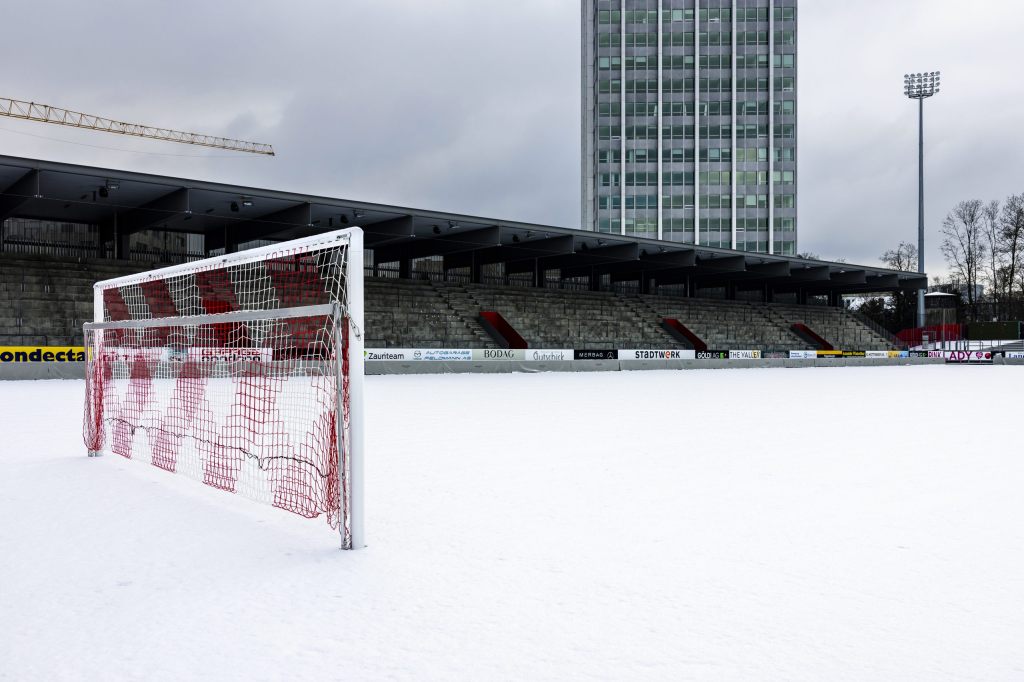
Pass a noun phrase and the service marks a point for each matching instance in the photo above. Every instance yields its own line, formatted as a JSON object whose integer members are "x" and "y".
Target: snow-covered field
{"x": 747, "y": 524}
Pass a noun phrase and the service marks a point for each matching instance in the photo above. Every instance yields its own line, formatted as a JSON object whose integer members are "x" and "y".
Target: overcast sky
{"x": 473, "y": 105}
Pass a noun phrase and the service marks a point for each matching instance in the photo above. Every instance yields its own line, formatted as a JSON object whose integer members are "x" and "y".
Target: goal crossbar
{"x": 220, "y": 318}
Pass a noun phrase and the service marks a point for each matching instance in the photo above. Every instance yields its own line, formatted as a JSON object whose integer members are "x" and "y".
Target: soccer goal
{"x": 243, "y": 371}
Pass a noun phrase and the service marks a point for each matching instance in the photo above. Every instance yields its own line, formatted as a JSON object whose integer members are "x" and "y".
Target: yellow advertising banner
{"x": 11, "y": 354}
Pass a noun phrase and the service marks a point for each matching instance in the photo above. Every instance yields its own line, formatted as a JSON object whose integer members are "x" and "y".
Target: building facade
{"x": 690, "y": 121}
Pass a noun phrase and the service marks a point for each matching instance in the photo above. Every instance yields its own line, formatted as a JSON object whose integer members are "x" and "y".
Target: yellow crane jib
{"x": 44, "y": 113}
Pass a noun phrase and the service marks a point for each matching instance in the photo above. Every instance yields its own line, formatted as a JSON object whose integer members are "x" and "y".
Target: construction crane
{"x": 44, "y": 113}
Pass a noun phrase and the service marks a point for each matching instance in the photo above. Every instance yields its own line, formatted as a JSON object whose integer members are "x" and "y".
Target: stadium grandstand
{"x": 434, "y": 279}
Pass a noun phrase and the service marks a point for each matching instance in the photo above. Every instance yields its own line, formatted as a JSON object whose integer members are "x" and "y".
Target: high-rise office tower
{"x": 689, "y": 121}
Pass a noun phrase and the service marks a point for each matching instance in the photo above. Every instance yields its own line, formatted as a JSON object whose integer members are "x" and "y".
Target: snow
{"x": 747, "y": 524}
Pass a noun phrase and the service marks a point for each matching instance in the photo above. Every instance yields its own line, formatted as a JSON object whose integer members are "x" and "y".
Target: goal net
{"x": 243, "y": 372}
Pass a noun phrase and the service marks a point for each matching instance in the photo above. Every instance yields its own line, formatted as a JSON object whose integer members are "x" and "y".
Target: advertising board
{"x": 647, "y": 354}
{"x": 418, "y": 354}
{"x": 590, "y": 354}
{"x": 744, "y": 355}
{"x": 969, "y": 357}
{"x": 12, "y": 354}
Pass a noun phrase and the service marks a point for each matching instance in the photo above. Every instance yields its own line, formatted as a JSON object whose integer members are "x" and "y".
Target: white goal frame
{"x": 351, "y": 309}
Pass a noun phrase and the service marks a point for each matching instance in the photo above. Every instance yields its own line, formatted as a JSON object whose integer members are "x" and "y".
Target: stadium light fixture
{"x": 921, "y": 86}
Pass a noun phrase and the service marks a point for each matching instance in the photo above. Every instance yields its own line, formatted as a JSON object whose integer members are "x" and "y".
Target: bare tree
{"x": 963, "y": 248}
{"x": 904, "y": 303}
{"x": 903, "y": 257}
{"x": 991, "y": 232}
{"x": 1011, "y": 244}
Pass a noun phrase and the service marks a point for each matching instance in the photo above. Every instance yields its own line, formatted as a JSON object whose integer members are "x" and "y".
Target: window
{"x": 641, "y": 156}
{"x": 609, "y": 40}
{"x": 785, "y": 38}
{"x": 677, "y": 201}
{"x": 752, "y": 61}
{"x": 785, "y": 84}
{"x": 785, "y": 154}
{"x": 783, "y": 61}
{"x": 716, "y": 154}
{"x": 716, "y": 15}
{"x": 641, "y": 201}
{"x": 679, "y": 61}
{"x": 785, "y": 131}
{"x": 786, "y": 107}
{"x": 785, "y": 201}
{"x": 678, "y": 156}
{"x": 609, "y": 179}
{"x": 715, "y": 201}
{"x": 642, "y": 63}
{"x": 678, "y": 15}
{"x": 609, "y": 156}
{"x": 678, "y": 39}
{"x": 609, "y": 17}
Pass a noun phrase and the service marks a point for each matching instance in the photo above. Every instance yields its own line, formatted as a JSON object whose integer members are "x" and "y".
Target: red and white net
{"x": 234, "y": 373}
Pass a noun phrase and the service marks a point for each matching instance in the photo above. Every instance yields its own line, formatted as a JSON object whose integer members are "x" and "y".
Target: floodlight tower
{"x": 920, "y": 86}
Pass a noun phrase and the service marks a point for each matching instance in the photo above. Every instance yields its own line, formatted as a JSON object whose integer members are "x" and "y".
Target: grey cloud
{"x": 473, "y": 106}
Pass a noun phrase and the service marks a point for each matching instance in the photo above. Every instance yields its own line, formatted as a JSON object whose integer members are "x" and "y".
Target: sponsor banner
{"x": 637, "y": 354}
{"x": 712, "y": 355}
{"x": 803, "y": 354}
{"x": 548, "y": 354}
{"x": 418, "y": 354}
{"x": 917, "y": 353}
{"x": 829, "y": 354}
{"x": 972, "y": 357}
{"x": 203, "y": 354}
{"x": 505, "y": 354}
{"x": 744, "y": 355}
{"x": 1016, "y": 354}
{"x": 225, "y": 354}
{"x": 595, "y": 354}
{"x": 11, "y": 354}
{"x": 936, "y": 353}
{"x": 890, "y": 354}
{"x": 853, "y": 354}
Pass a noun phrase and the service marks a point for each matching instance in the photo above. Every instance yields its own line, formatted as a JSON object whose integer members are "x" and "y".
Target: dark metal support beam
{"x": 171, "y": 206}
{"x": 23, "y": 189}
{"x": 441, "y": 245}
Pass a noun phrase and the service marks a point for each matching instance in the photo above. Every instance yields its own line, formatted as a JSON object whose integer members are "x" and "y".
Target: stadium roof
{"x": 124, "y": 202}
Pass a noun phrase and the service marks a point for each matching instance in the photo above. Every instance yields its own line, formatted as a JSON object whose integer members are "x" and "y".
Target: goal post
{"x": 243, "y": 371}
